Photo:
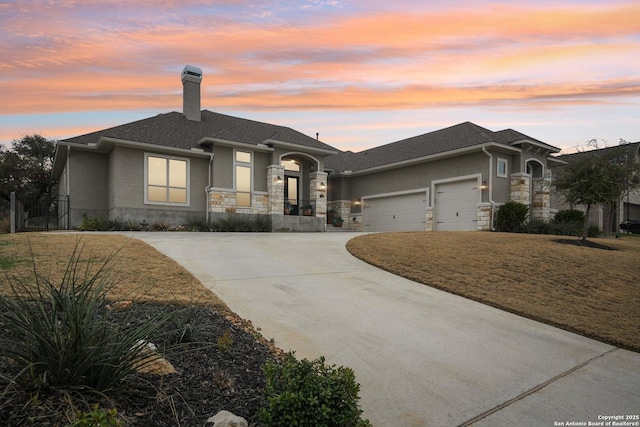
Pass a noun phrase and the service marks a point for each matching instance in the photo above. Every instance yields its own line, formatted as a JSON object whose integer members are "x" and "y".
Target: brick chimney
{"x": 191, "y": 78}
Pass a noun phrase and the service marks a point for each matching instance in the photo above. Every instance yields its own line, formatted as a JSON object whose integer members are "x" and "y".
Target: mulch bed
{"x": 585, "y": 244}
{"x": 209, "y": 377}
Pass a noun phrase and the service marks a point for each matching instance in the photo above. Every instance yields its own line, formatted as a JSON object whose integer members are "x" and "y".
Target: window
{"x": 290, "y": 165}
{"x": 502, "y": 168}
{"x": 166, "y": 180}
{"x": 243, "y": 168}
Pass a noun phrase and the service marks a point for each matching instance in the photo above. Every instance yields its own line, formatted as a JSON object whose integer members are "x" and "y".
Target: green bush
{"x": 569, "y": 215}
{"x": 569, "y": 222}
{"x": 59, "y": 335}
{"x": 311, "y": 394}
{"x": 593, "y": 231}
{"x": 95, "y": 223}
{"x": 5, "y": 226}
{"x": 538, "y": 226}
{"x": 97, "y": 417}
{"x": 241, "y": 223}
{"x": 511, "y": 216}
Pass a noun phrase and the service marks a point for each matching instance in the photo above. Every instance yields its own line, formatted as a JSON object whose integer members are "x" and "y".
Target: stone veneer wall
{"x": 520, "y": 190}
{"x": 429, "y": 219}
{"x": 541, "y": 199}
{"x": 484, "y": 216}
{"x": 275, "y": 189}
{"x": 221, "y": 201}
{"x": 318, "y": 193}
{"x": 343, "y": 209}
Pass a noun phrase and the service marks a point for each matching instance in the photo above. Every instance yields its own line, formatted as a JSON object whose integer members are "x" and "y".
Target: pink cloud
{"x": 375, "y": 61}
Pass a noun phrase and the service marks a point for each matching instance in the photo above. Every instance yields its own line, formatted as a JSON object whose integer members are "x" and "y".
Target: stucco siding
{"x": 127, "y": 181}
{"x": 501, "y": 185}
{"x": 88, "y": 185}
{"x": 416, "y": 176}
{"x": 223, "y": 167}
{"x": 260, "y": 163}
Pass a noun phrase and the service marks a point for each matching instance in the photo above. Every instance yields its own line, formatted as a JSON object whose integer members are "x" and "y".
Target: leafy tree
{"x": 26, "y": 167}
{"x": 598, "y": 178}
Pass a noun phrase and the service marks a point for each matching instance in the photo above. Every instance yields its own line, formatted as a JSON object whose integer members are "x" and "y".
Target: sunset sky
{"x": 362, "y": 73}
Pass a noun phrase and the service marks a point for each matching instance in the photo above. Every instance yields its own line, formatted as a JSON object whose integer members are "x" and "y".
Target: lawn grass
{"x": 593, "y": 292}
{"x": 142, "y": 273}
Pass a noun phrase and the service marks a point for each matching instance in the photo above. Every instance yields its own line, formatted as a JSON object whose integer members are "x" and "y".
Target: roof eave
{"x": 207, "y": 140}
{"x": 551, "y": 148}
{"x": 430, "y": 158}
{"x": 299, "y": 147}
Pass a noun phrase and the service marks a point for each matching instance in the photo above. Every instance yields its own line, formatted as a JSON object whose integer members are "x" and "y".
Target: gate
{"x": 49, "y": 212}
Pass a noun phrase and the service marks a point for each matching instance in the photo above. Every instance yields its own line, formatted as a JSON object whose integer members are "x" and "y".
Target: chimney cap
{"x": 191, "y": 73}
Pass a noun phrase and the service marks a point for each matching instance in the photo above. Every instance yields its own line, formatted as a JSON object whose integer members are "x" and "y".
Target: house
{"x": 627, "y": 208}
{"x": 194, "y": 165}
{"x": 198, "y": 165}
{"x": 450, "y": 179}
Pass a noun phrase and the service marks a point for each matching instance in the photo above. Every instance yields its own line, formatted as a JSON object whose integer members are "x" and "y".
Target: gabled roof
{"x": 462, "y": 136}
{"x": 175, "y": 130}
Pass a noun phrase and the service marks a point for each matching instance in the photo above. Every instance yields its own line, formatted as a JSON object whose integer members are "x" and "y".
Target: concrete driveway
{"x": 423, "y": 357}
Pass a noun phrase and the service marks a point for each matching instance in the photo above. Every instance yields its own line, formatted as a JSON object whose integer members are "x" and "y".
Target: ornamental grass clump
{"x": 59, "y": 336}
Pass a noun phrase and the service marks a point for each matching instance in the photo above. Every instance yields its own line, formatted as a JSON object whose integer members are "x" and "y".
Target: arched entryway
{"x": 299, "y": 197}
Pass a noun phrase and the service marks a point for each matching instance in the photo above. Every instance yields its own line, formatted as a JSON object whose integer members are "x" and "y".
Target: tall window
{"x": 166, "y": 180}
{"x": 243, "y": 166}
{"x": 502, "y": 168}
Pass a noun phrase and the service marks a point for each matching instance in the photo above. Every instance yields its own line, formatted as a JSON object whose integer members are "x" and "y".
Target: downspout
{"x": 206, "y": 190}
{"x": 66, "y": 178}
{"x": 493, "y": 204}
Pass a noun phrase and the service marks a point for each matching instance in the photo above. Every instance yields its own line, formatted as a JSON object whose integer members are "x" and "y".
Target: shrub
{"x": 59, "y": 335}
{"x": 97, "y": 417}
{"x": 241, "y": 223}
{"x": 197, "y": 225}
{"x": 569, "y": 215}
{"x": 593, "y": 231}
{"x": 159, "y": 226}
{"x": 511, "y": 216}
{"x": 569, "y": 222}
{"x": 310, "y": 393}
{"x": 5, "y": 226}
{"x": 538, "y": 226}
{"x": 96, "y": 223}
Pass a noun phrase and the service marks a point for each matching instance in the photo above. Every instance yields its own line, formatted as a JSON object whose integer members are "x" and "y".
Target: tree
{"x": 26, "y": 167}
{"x": 598, "y": 178}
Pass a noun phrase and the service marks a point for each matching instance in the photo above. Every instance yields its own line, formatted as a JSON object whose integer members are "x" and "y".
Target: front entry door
{"x": 291, "y": 192}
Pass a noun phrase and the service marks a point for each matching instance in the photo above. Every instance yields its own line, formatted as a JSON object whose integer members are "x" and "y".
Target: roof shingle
{"x": 175, "y": 130}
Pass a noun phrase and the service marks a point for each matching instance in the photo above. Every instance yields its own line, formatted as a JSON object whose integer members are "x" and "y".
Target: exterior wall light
{"x": 484, "y": 185}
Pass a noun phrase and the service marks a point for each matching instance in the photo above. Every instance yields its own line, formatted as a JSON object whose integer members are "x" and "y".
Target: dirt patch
{"x": 589, "y": 291}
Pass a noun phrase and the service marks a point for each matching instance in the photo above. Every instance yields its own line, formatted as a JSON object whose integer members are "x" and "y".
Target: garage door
{"x": 406, "y": 212}
{"x": 456, "y": 205}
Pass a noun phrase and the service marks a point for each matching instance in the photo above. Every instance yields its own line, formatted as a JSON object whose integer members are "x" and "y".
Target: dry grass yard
{"x": 142, "y": 273}
{"x": 590, "y": 291}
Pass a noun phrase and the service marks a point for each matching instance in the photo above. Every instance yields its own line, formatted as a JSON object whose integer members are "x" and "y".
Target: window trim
{"x": 506, "y": 168}
{"x": 248, "y": 165}
{"x": 146, "y": 179}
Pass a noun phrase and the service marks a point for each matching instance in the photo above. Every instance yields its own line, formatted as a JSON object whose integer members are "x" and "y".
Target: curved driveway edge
{"x": 423, "y": 357}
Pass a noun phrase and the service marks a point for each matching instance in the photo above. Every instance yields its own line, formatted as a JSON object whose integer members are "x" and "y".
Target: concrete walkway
{"x": 423, "y": 357}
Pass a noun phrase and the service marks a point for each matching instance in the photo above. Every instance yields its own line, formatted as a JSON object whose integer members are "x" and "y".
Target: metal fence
{"x": 49, "y": 212}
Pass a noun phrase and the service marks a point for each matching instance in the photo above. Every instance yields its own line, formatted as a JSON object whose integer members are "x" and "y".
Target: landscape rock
{"x": 227, "y": 419}
{"x": 120, "y": 305}
{"x": 153, "y": 363}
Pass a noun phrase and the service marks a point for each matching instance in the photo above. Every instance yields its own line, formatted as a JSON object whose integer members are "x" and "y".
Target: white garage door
{"x": 406, "y": 212}
{"x": 456, "y": 205}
